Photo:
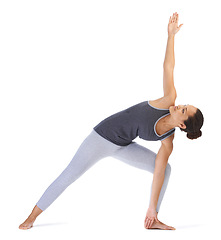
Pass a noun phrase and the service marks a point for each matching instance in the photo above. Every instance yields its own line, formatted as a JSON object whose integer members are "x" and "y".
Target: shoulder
{"x": 168, "y": 142}
{"x": 163, "y": 102}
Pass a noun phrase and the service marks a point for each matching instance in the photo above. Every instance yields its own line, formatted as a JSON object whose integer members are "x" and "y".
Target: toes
{"x": 171, "y": 228}
{"x": 24, "y": 227}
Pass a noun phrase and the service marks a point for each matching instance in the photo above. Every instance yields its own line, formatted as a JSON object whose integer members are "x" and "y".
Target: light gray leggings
{"x": 93, "y": 149}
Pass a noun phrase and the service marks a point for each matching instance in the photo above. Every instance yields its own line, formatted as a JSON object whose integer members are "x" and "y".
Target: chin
{"x": 171, "y": 109}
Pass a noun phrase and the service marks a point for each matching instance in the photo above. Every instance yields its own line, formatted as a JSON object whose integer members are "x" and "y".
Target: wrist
{"x": 152, "y": 207}
{"x": 171, "y": 35}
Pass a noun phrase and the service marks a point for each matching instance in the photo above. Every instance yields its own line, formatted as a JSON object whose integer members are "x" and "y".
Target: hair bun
{"x": 194, "y": 135}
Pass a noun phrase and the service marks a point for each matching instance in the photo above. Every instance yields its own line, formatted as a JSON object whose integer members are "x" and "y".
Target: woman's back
{"x": 123, "y": 127}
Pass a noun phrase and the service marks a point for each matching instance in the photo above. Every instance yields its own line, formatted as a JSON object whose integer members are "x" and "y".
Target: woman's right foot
{"x": 28, "y": 223}
{"x": 160, "y": 225}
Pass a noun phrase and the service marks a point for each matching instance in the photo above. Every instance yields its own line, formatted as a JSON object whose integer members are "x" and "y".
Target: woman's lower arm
{"x": 159, "y": 172}
{"x": 169, "y": 60}
{"x": 158, "y": 179}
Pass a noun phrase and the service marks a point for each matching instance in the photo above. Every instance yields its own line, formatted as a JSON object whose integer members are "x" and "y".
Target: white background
{"x": 67, "y": 65}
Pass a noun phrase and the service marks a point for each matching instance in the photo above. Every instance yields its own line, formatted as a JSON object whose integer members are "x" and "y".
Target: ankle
{"x": 32, "y": 217}
{"x": 35, "y": 212}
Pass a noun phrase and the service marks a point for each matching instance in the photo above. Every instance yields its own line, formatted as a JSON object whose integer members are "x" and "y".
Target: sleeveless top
{"x": 140, "y": 120}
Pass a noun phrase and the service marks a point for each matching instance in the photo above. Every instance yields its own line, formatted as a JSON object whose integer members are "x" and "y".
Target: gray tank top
{"x": 140, "y": 120}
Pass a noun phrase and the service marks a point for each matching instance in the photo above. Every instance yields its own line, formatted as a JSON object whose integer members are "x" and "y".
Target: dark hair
{"x": 193, "y": 125}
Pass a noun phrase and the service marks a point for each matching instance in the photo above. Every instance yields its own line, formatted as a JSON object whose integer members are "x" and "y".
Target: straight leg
{"x": 92, "y": 149}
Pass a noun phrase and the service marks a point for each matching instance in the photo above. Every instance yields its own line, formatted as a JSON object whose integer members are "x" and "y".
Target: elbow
{"x": 167, "y": 146}
{"x": 169, "y": 149}
{"x": 172, "y": 95}
{"x": 169, "y": 66}
{"x": 175, "y": 94}
{"x": 159, "y": 173}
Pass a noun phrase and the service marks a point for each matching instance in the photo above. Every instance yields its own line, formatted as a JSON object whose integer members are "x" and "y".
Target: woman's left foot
{"x": 28, "y": 223}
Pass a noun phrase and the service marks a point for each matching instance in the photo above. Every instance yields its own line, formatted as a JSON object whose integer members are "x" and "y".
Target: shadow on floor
{"x": 49, "y": 224}
{"x": 190, "y": 226}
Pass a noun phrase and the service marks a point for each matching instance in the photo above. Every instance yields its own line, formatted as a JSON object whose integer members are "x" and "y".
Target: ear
{"x": 182, "y": 125}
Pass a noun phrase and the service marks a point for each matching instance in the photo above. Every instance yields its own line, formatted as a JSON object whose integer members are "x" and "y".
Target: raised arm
{"x": 169, "y": 61}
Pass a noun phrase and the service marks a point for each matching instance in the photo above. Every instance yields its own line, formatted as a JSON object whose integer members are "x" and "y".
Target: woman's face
{"x": 181, "y": 113}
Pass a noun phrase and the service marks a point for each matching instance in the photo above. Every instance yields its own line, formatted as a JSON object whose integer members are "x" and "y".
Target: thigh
{"x": 91, "y": 150}
{"x": 136, "y": 155}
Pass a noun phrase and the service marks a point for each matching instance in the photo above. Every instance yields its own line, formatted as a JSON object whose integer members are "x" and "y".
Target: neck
{"x": 168, "y": 123}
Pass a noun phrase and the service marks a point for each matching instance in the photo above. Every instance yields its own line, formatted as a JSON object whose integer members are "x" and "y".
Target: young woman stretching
{"x": 151, "y": 120}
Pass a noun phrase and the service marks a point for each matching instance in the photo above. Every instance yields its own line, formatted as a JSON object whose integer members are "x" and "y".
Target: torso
{"x": 162, "y": 103}
{"x": 122, "y": 127}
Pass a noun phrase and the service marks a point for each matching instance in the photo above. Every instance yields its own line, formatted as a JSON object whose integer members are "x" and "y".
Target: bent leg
{"x": 92, "y": 149}
{"x": 140, "y": 157}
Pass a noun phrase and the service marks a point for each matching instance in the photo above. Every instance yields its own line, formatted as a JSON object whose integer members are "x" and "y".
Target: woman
{"x": 150, "y": 120}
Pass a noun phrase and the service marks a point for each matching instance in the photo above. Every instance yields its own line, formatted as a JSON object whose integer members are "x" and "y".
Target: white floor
{"x": 107, "y": 229}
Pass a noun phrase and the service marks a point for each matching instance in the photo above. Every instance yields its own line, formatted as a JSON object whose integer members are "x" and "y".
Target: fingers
{"x": 170, "y": 20}
{"x": 177, "y": 17}
{"x": 174, "y": 18}
{"x": 151, "y": 223}
{"x": 145, "y": 222}
{"x": 148, "y": 222}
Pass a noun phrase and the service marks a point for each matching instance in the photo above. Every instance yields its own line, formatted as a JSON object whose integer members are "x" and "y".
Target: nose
{"x": 179, "y": 107}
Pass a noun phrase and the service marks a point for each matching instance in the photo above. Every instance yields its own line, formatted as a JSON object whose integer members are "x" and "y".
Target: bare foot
{"x": 28, "y": 223}
{"x": 160, "y": 225}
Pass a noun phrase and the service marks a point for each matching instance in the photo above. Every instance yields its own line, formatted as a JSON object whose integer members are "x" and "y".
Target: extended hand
{"x": 151, "y": 216}
{"x": 173, "y": 24}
